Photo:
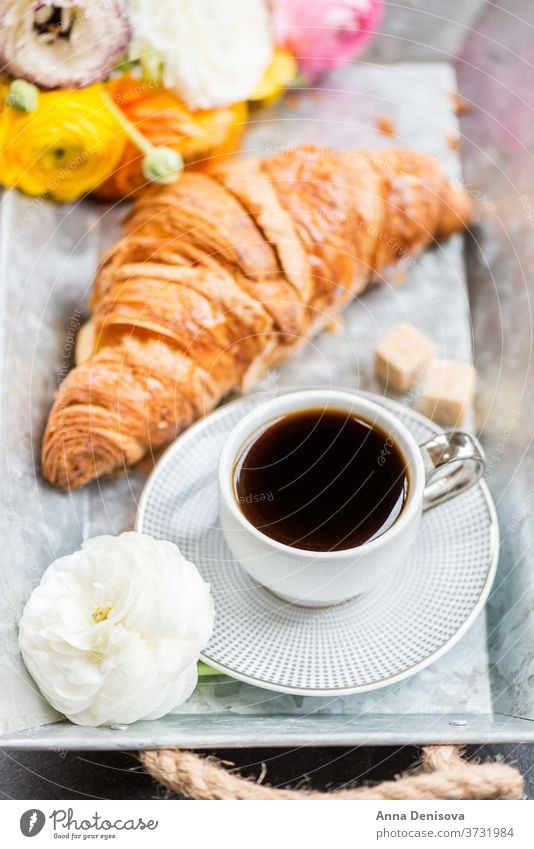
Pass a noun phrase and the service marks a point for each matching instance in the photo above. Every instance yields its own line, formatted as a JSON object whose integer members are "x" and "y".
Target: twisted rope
{"x": 444, "y": 775}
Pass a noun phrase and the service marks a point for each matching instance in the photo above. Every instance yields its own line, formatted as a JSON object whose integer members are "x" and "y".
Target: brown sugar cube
{"x": 448, "y": 392}
{"x": 401, "y": 356}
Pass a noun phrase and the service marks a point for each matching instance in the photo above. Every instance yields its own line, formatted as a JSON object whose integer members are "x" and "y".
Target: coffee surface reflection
{"x": 321, "y": 480}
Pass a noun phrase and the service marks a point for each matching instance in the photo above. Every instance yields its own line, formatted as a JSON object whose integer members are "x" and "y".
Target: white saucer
{"x": 374, "y": 640}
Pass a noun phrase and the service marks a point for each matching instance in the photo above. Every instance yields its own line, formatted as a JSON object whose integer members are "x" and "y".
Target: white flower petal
{"x": 213, "y": 53}
{"x": 113, "y": 632}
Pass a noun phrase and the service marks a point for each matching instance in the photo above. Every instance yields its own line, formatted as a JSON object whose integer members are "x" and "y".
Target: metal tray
{"x": 483, "y": 689}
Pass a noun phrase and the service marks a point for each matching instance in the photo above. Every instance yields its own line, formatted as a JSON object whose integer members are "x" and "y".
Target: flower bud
{"x": 162, "y": 165}
{"x": 113, "y": 633}
{"x": 23, "y": 96}
{"x": 152, "y": 66}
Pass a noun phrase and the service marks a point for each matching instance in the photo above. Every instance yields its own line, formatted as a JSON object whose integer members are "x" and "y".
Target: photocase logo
{"x": 32, "y": 822}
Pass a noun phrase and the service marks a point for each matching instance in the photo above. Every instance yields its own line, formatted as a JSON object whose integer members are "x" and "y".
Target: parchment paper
{"x": 49, "y": 255}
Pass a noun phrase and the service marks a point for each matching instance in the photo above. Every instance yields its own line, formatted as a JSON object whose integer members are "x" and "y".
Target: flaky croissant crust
{"x": 224, "y": 274}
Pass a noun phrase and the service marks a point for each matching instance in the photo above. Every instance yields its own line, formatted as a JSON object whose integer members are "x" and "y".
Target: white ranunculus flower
{"x": 65, "y": 43}
{"x": 214, "y": 52}
{"x": 113, "y": 632}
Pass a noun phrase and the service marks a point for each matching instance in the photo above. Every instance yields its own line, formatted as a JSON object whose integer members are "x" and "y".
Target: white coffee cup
{"x": 322, "y": 578}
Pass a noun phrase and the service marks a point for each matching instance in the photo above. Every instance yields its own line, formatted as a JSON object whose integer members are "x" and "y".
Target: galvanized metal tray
{"x": 482, "y": 690}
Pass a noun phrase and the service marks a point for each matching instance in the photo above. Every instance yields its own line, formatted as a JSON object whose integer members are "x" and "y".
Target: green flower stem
{"x": 205, "y": 671}
{"x": 160, "y": 164}
{"x": 133, "y": 133}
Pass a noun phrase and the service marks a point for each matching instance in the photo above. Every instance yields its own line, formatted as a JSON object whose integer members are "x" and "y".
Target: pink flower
{"x": 324, "y": 34}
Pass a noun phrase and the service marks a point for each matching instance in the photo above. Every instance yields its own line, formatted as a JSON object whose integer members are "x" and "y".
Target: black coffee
{"x": 321, "y": 480}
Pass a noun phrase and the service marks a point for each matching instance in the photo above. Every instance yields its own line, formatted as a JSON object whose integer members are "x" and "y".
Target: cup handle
{"x": 465, "y": 456}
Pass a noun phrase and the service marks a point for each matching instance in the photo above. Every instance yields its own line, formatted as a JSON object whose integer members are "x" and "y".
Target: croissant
{"x": 224, "y": 274}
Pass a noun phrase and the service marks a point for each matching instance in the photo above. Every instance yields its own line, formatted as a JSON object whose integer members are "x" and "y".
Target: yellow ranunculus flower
{"x": 63, "y": 149}
{"x": 281, "y": 71}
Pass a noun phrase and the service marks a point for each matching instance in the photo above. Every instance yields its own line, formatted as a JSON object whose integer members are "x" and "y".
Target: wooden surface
{"x": 82, "y": 775}
{"x": 492, "y": 45}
